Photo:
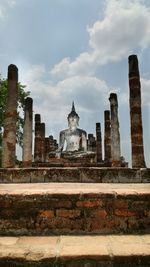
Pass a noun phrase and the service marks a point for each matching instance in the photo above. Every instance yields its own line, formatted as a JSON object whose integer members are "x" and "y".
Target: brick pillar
{"x": 115, "y": 135}
{"x": 98, "y": 142}
{"x": 10, "y": 120}
{"x": 46, "y": 148}
{"x": 27, "y": 133}
{"x": 91, "y": 143}
{"x": 138, "y": 160}
{"x": 107, "y": 136}
{"x": 42, "y": 142}
{"x": 37, "y": 140}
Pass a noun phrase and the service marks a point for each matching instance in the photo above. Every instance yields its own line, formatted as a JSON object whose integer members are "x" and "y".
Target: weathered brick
{"x": 57, "y": 203}
{"x": 148, "y": 214}
{"x": 133, "y": 224}
{"x": 101, "y": 214}
{"x": 97, "y": 220}
{"x": 120, "y": 204}
{"x": 113, "y": 223}
{"x": 125, "y": 213}
{"x": 67, "y": 224}
{"x": 68, "y": 213}
{"x": 97, "y": 225}
{"x": 46, "y": 214}
{"x": 89, "y": 203}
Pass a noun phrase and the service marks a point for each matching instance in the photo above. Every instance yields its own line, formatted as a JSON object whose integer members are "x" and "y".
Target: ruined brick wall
{"x": 74, "y": 174}
{"x": 50, "y": 146}
{"x": 91, "y": 143}
{"x": 41, "y": 213}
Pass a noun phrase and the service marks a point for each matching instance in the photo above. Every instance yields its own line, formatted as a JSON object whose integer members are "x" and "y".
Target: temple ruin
{"x": 80, "y": 146}
{"x": 74, "y": 202}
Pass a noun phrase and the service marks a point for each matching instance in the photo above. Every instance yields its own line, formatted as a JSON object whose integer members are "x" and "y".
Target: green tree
{"x": 21, "y": 99}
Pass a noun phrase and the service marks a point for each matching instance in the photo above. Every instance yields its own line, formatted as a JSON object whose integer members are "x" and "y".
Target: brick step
{"x": 76, "y": 251}
{"x": 70, "y": 164}
{"x": 74, "y": 174}
{"x": 74, "y": 208}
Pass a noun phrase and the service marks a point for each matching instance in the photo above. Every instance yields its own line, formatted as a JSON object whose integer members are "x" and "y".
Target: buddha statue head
{"x": 73, "y": 118}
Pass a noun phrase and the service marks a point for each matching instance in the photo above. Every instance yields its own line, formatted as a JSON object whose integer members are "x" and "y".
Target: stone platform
{"x": 69, "y": 208}
{"x": 76, "y": 251}
{"x": 75, "y": 174}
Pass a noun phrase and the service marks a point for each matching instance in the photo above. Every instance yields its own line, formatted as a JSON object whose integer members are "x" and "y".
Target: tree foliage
{"x": 21, "y": 99}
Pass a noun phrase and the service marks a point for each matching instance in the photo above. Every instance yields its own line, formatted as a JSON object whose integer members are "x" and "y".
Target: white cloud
{"x": 11, "y": 3}
{"x": 145, "y": 94}
{"x": 4, "y": 6}
{"x": 32, "y": 73}
{"x": 145, "y": 85}
{"x": 124, "y": 28}
{"x": 53, "y": 100}
{"x": 85, "y": 88}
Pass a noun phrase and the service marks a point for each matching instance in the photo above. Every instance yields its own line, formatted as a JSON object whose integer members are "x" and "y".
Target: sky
{"x": 77, "y": 50}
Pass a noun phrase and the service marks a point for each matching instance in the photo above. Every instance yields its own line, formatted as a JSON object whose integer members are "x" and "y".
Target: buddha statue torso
{"x": 73, "y": 139}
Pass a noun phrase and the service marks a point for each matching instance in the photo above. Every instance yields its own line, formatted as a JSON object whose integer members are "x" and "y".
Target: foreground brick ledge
{"x": 74, "y": 247}
{"x": 74, "y": 208}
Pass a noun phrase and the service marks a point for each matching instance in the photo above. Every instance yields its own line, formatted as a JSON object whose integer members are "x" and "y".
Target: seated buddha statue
{"x": 72, "y": 140}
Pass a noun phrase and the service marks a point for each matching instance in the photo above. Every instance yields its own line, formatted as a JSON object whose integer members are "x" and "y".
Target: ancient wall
{"x": 84, "y": 209}
{"x": 75, "y": 174}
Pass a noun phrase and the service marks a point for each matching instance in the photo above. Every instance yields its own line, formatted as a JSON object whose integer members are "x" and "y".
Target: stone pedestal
{"x": 138, "y": 160}
{"x": 115, "y": 135}
{"x": 10, "y": 120}
{"x": 98, "y": 143}
{"x": 107, "y": 136}
{"x": 27, "y": 133}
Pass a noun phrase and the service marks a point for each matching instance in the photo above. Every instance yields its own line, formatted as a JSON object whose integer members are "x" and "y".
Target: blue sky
{"x": 78, "y": 50}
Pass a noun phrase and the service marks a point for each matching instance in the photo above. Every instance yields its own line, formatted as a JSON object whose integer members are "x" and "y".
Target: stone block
{"x": 110, "y": 175}
{"x": 145, "y": 175}
{"x": 68, "y": 213}
{"x": 63, "y": 175}
{"x": 90, "y": 175}
{"x": 76, "y": 251}
{"x": 127, "y": 175}
{"x": 89, "y": 203}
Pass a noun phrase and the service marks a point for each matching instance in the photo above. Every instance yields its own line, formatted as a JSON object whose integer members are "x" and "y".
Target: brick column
{"x": 115, "y": 135}
{"x": 27, "y": 133}
{"x": 138, "y": 160}
{"x": 10, "y": 120}
{"x": 37, "y": 140}
{"x": 42, "y": 142}
{"x": 47, "y": 148}
{"x": 107, "y": 136}
{"x": 91, "y": 143}
{"x": 98, "y": 142}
